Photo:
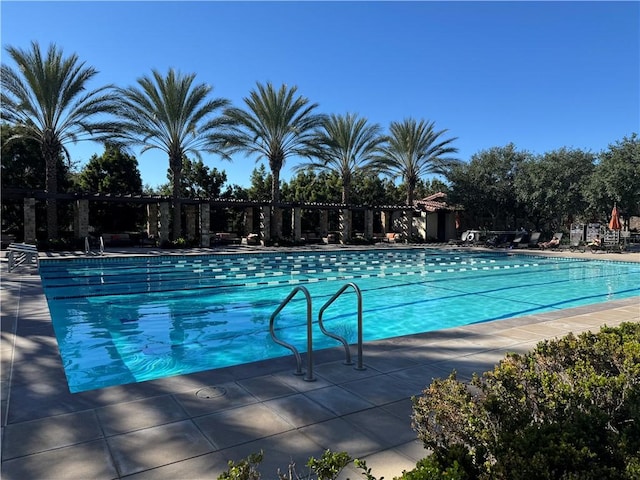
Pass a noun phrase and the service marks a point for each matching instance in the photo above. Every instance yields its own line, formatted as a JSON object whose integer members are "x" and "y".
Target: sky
{"x": 540, "y": 75}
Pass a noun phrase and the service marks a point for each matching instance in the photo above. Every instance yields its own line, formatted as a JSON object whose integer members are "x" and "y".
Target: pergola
{"x": 263, "y": 218}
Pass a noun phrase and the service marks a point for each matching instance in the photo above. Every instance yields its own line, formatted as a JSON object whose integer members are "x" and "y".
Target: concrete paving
{"x": 189, "y": 426}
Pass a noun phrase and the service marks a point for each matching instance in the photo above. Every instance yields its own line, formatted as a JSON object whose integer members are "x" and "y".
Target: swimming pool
{"x": 125, "y": 320}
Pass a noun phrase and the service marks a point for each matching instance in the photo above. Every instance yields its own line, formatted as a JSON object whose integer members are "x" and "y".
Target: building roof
{"x": 434, "y": 203}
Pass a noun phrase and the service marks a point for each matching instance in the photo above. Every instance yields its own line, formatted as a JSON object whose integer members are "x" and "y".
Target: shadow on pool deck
{"x": 189, "y": 426}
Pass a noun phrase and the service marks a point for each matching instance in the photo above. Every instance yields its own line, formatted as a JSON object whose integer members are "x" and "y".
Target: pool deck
{"x": 189, "y": 426}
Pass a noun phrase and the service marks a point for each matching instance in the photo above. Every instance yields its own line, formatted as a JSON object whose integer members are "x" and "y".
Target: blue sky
{"x": 542, "y": 75}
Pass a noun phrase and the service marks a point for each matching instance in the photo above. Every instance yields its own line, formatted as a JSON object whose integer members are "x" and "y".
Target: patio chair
{"x": 533, "y": 240}
{"x": 521, "y": 238}
{"x": 553, "y": 243}
{"x": 608, "y": 244}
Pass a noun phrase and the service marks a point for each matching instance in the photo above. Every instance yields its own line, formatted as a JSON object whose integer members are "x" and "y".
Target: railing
{"x": 309, "y": 376}
{"x": 348, "y": 360}
{"x": 87, "y": 246}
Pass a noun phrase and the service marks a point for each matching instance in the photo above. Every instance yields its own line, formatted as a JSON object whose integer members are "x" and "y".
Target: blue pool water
{"x": 125, "y": 320}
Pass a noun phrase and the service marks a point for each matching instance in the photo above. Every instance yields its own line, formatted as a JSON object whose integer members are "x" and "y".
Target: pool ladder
{"x": 87, "y": 246}
{"x": 309, "y": 373}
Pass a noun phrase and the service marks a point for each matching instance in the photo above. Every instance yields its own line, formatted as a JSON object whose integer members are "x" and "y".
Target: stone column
{"x": 345, "y": 225}
{"x": 265, "y": 225}
{"x": 276, "y": 223}
{"x": 152, "y": 220}
{"x": 29, "y": 213}
{"x": 407, "y": 225}
{"x": 385, "y": 219}
{"x": 191, "y": 212}
{"x": 324, "y": 223}
{"x": 205, "y": 225}
{"x": 368, "y": 224}
{"x": 296, "y": 224}
{"x": 164, "y": 220}
{"x": 248, "y": 221}
{"x": 81, "y": 218}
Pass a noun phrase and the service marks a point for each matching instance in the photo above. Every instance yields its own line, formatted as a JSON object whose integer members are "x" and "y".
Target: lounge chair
{"x": 462, "y": 240}
{"x": 533, "y": 241}
{"x": 22, "y": 254}
{"x": 521, "y": 238}
{"x": 577, "y": 245}
{"x": 609, "y": 244}
{"x": 553, "y": 243}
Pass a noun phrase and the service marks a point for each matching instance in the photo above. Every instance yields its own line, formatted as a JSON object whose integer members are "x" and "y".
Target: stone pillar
{"x": 345, "y": 225}
{"x": 296, "y": 224}
{"x": 368, "y": 224}
{"x": 248, "y": 221}
{"x": 276, "y": 223}
{"x": 152, "y": 220}
{"x": 265, "y": 225}
{"x": 324, "y": 223}
{"x": 29, "y": 212}
{"x": 407, "y": 225}
{"x": 81, "y": 218}
{"x": 164, "y": 220}
{"x": 385, "y": 219}
{"x": 191, "y": 213}
{"x": 205, "y": 225}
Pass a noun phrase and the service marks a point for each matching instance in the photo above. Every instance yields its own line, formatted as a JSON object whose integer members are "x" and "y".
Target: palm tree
{"x": 413, "y": 150}
{"x": 345, "y": 145}
{"x": 175, "y": 116}
{"x": 47, "y": 96}
{"x": 275, "y": 126}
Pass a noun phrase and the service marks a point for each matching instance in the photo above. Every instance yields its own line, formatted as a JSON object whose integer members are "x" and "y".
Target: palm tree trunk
{"x": 176, "y": 167}
{"x": 50, "y": 156}
{"x": 276, "y": 213}
{"x": 346, "y": 189}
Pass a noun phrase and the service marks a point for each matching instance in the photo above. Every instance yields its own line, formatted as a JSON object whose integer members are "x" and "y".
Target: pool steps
{"x": 309, "y": 373}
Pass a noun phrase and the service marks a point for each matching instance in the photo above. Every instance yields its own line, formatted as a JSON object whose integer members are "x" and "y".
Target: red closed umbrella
{"x": 614, "y": 223}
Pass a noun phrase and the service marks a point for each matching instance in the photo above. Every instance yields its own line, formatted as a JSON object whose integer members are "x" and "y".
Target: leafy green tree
{"x": 309, "y": 186}
{"x": 424, "y": 188}
{"x": 414, "y": 150}
{"x": 47, "y": 96}
{"x": 261, "y": 181}
{"x": 199, "y": 181}
{"x": 371, "y": 189}
{"x": 113, "y": 172}
{"x": 485, "y": 186}
{"x": 551, "y": 188}
{"x": 21, "y": 168}
{"x": 172, "y": 114}
{"x": 616, "y": 180}
{"x": 276, "y": 125}
{"x": 345, "y": 145}
{"x": 22, "y": 165}
{"x": 568, "y": 409}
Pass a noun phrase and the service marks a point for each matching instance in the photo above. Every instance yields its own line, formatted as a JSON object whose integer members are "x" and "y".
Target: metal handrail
{"x": 348, "y": 360}
{"x": 309, "y": 376}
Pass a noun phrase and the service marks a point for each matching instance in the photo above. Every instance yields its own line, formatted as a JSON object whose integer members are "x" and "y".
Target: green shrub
{"x": 568, "y": 409}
